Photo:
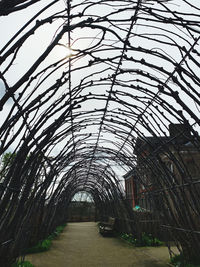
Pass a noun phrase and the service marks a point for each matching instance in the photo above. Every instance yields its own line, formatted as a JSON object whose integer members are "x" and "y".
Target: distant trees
{"x": 6, "y": 161}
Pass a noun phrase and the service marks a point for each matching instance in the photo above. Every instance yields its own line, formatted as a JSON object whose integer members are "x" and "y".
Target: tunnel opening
{"x": 82, "y": 208}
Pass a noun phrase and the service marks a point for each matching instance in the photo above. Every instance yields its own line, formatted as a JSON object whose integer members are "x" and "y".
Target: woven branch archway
{"x": 84, "y": 86}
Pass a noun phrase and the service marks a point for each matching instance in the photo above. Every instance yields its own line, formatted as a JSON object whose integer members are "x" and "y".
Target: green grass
{"x": 22, "y": 264}
{"x": 45, "y": 244}
{"x": 147, "y": 240}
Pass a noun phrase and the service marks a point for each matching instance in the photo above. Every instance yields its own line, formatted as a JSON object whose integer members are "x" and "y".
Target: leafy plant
{"x": 5, "y": 163}
{"x": 59, "y": 229}
{"x": 179, "y": 261}
{"x": 41, "y": 246}
{"x": 22, "y": 264}
{"x": 45, "y": 244}
{"x": 146, "y": 240}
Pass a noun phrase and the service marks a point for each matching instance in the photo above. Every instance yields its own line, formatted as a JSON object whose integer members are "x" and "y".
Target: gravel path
{"x": 80, "y": 245}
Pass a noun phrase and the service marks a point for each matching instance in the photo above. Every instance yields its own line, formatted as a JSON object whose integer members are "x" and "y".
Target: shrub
{"x": 179, "y": 261}
{"x": 146, "y": 240}
{"x": 22, "y": 264}
{"x": 45, "y": 244}
{"x": 59, "y": 229}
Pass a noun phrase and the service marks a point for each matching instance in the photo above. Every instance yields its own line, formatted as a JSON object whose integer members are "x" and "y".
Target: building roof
{"x": 149, "y": 142}
{"x": 129, "y": 174}
{"x": 179, "y": 135}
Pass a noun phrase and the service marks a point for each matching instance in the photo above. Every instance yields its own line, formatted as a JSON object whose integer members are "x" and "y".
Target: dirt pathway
{"x": 80, "y": 245}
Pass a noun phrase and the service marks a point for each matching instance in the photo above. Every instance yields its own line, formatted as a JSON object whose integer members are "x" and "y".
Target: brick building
{"x": 130, "y": 187}
{"x": 162, "y": 161}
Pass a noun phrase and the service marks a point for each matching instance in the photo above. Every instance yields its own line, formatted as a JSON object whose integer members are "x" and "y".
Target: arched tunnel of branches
{"x": 89, "y": 92}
